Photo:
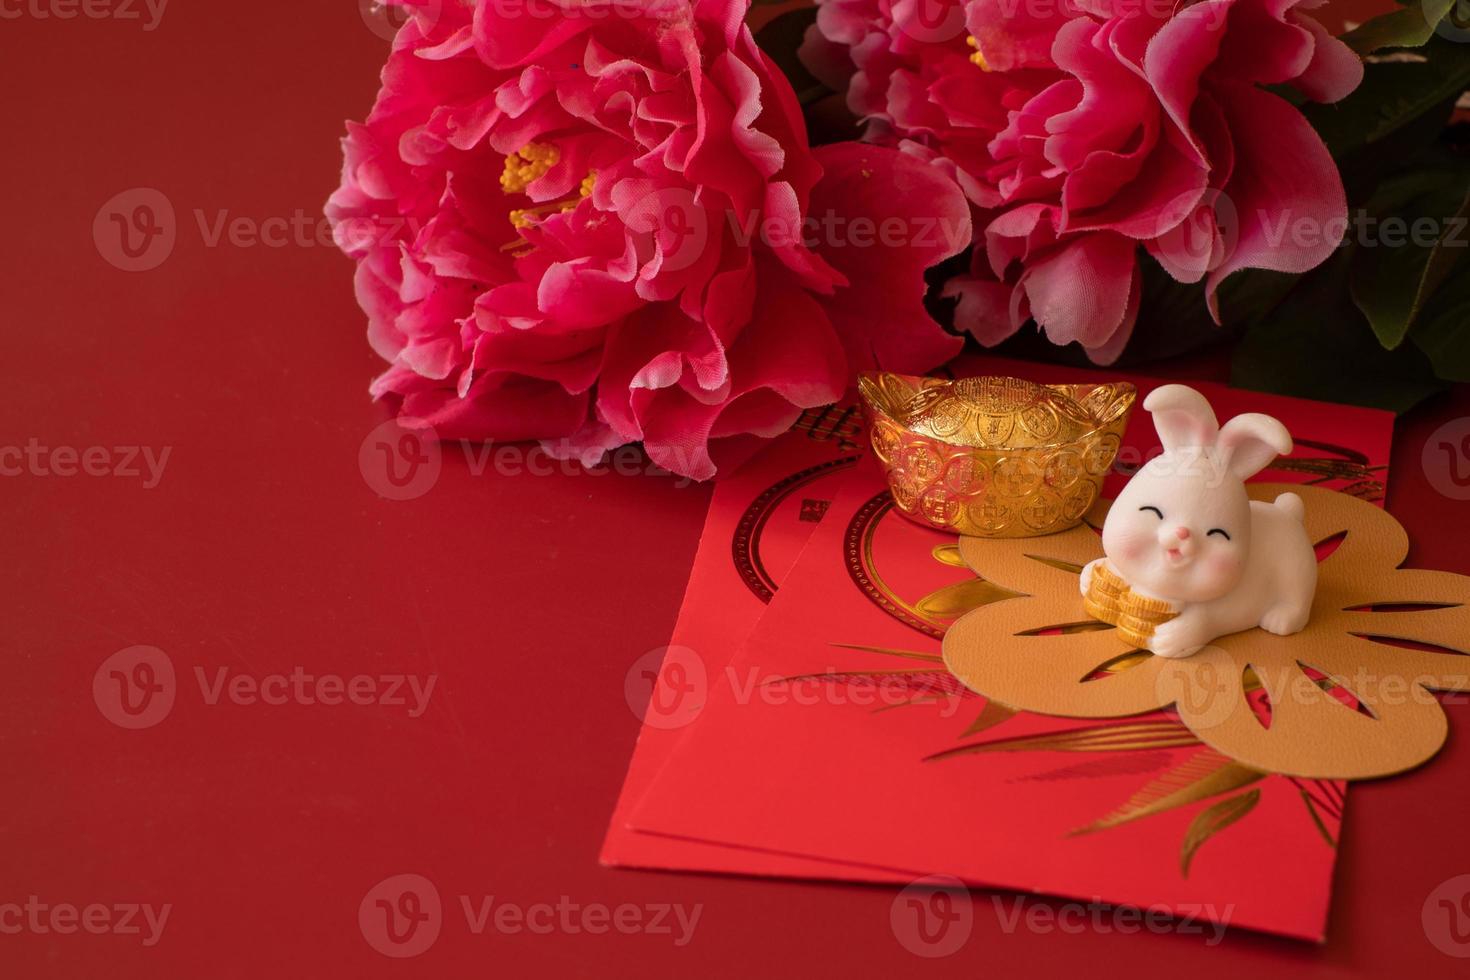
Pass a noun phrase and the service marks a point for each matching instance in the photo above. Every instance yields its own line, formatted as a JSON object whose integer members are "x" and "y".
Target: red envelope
{"x": 759, "y": 521}
{"x": 830, "y": 740}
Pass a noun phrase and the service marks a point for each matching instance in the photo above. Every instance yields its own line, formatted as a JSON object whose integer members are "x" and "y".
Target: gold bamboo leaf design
{"x": 1127, "y": 661}
{"x": 954, "y": 601}
{"x": 940, "y": 676}
{"x": 1210, "y": 822}
{"x": 991, "y": 715}
{"x": 1064, "y": 629}
{"x": 1204, "y": 774}
{"x": 1317, "y": 818}
{"x": 949, "y": 554}
{"x": 1057, "y": 563}
{"x": 932, "y": 658}
{"x": 1126, "y": 737}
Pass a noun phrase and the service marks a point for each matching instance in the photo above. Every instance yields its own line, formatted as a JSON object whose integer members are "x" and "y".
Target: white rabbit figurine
{"x": 1184, "y": 531}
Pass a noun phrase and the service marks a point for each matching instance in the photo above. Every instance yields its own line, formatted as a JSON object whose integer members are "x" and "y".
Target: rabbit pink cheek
{"x": 1134, "y": 544}
{"x": 1224, "y": 566}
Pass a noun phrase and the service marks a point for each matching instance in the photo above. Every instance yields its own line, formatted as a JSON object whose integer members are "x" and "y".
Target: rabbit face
{"x": 1181, "y": 528}
{"x": 1179, "y": 534}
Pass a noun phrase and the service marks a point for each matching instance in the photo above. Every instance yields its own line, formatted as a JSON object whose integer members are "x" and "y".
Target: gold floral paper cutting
{"x": 1347, "y": 698}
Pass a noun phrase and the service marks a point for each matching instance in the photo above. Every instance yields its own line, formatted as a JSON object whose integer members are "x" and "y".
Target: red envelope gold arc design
{"x": 745, "y": 545}
{"x": 858, "y": 554}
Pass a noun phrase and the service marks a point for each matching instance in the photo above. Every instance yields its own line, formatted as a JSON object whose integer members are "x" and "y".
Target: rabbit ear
{"x": 1182, "y": 417}
{"x": 1248, "y": 443}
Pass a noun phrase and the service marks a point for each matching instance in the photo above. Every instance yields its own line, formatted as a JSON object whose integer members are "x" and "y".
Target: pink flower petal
{"x": 1286, "y": 192}
{"x": 1082, "y": 290}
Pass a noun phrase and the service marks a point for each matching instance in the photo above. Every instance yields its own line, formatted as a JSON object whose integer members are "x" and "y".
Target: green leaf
{"x": 1443, "y": 333}
{"x": 1316, "y": 344}
{"x": 1173, "y": 318}
{"x": 1393, "y": 95}
{"x": 1210, "y": 822}
{"x": 1410, "y": 27}
{"x": 1416, "y": 235}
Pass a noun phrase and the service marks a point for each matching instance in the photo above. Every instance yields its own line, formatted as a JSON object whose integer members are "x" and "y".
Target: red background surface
{"x": 263, "y": 550}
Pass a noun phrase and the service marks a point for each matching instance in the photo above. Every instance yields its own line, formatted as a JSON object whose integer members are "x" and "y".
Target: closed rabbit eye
{"x": 1152, "y": 508}
{"x": 1220, "y": 531}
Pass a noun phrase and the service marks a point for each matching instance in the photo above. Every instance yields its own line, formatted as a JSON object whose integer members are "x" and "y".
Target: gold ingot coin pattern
{"x": 992, "y": 456}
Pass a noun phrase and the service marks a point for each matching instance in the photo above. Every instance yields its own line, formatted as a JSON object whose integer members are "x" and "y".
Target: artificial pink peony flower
{"x": 1126, "y": 124}
{"x": 592, "y": 222}
{"x": 909, "y": 74}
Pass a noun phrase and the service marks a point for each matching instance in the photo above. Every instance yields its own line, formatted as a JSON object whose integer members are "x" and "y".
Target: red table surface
{"x": 263, "y": 550}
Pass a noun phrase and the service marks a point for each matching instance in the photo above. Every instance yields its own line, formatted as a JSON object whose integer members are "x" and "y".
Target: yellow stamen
{"x": 979, "y": 56}
{"x": 526, "y": 165}
{"x": 521, "y": 218}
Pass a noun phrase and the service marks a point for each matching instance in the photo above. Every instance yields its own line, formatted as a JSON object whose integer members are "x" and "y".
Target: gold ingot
{"x": 994, "y": 457}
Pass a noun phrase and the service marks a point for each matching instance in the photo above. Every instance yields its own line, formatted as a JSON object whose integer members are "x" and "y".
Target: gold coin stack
{"x": 1110, "y": 600}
